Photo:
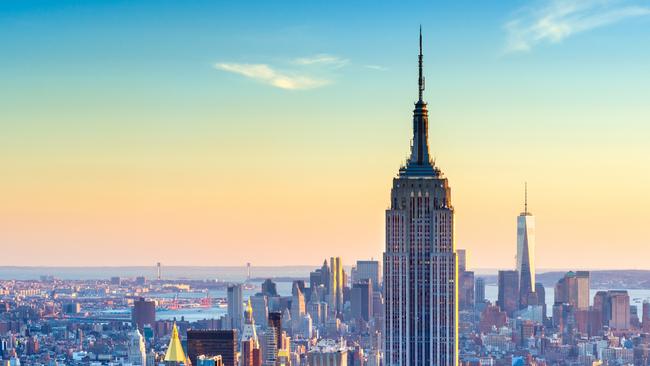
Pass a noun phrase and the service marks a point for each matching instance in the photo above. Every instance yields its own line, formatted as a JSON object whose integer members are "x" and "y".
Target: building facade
{"x": 526, "y": 253}
{"x": 420, "y": 267}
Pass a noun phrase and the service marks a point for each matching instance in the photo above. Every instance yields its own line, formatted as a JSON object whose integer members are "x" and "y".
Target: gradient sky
{"x": 216, "y": 133}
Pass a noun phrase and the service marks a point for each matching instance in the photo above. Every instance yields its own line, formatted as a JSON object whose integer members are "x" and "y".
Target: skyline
{"x": 145, "y": 158}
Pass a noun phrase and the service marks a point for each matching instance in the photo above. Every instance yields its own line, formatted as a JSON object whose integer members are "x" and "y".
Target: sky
{"x": 220, "y": 133}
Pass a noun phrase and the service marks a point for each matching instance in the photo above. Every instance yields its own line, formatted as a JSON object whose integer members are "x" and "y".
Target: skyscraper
{"x": 368, "y": 270}
{"x": 235, "y": 306}
{"x": 526, "y": 252}
{"x": 212, "y": 343}
{"x": 362, "y": 300}
{"x": 336, "y": 285}
{"x": 260, "y": 309}
{"x": 137, "y": 349}
{"x": 479, "y": 290}
{"x": 143, "y": 313}
{"x": 508, "y": 291}
{"x": 618, "y": 309}
{"x": 420, "y": 265}
{"x": 573, "y": 289}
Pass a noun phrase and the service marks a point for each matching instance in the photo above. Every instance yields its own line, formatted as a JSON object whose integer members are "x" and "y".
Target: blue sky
{"x": 151, "y": 99}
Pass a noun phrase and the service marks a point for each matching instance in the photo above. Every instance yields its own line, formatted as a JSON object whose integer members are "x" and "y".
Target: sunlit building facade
{"x": 420, "y": 268}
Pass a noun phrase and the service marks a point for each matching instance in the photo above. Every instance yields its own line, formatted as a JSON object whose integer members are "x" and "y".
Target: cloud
{"x": 556, "y": 20}
{"x": 321, "y": 59}
{"x": 375, "y": 67}
{"x": 266, "y": 74}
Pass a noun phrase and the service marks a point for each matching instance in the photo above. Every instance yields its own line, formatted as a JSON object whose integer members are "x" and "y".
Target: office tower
{"x": 143, "y": 313}
{"x": 140, "y": 280}
{"x": 248, "y": 351}
{"x": 540, "y": 294}
{"x": 526, "y": 252}
{"x": 508, "y": 299}
{"x": 465, "y": 290}
{"x": 116, "y": 281}
{"x": 573, "y": 289}
{"x": 269, "y": 288}
{"x": 213, "y": 343}
{"x": 269, "y": 343}
{"x": 618, "y": 309}
{"x": 336, "y": 285}
{"x": 297, "y": 305}
{"x": 249, "y": 331}
{"x": 175, "y": 355}
{"x": 306, "y": 326}
{"x": 362, "y": 300}
{"x": 275, "y": 322}
{"x": 137, "y": 349}
{"x": 260, "y": 309}
{"x": 646, "y": 316}
{"x": 320, "y": 277}
{"x": 421, "y": 324}
{"x": 235, "y": 306}
{"x": 248, "y": 272}
{"x": 461, "y": 254}
{"x": 479, "y": 290}
{"x": 158, "y": 271}
{"x": 368, "y": 270}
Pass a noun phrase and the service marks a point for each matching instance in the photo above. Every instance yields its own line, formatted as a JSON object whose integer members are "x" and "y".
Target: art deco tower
{"x": 420, "y": 268}
{"x": 526, "y": 253}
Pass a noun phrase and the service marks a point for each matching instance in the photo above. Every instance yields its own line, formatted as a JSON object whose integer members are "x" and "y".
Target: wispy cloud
{"x": 554, "y": 20}
{"x": 375, "y": 67}
{"x": 321, "y": 59}
{"x": 268, "y": 75}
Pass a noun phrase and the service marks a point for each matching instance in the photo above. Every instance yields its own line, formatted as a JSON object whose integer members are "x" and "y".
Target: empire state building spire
{"x": 420, "y": 76}
{"x": 419, "y": 163}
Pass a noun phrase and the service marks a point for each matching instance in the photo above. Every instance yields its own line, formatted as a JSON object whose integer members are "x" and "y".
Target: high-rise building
{"x": 479, "y": 290}
{"x": 462, "y": 259}
{"x": 249, "y": 331}
{"x": 213, "y": 343}
{"x": 465, "y": 289}
{"x": 618, "y": 309}
{"x": 362, "y": 300}
{"x": 368, "y": 270}
{"x": 143, "y": 313}
{"x": 137, "y": 349}
{"x": 508, "y": 299}
{"x": 297, "y": 305}
{"x": 269, "y": 288}
{"x": 526, "y": 252}
{"x": 421, "y": 323}
{"x": 269, "y": 339}
{"x": 320, "y": 277}
{"x": 235, "y": 307}
{"x": 275, "y": 325}
{"x": 336, "y": 285}
{"x": 573, "y": 289}
{"x": 260, "y": 309}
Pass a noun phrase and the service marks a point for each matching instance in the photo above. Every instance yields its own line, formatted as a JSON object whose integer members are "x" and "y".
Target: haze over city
{"x": 137, "y": 132}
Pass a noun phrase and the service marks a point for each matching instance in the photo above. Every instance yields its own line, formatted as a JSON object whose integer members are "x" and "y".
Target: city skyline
{"x": 125, "y": 130}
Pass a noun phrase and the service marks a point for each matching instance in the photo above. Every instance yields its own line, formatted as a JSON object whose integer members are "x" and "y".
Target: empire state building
{"x": 420, "y": 266}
